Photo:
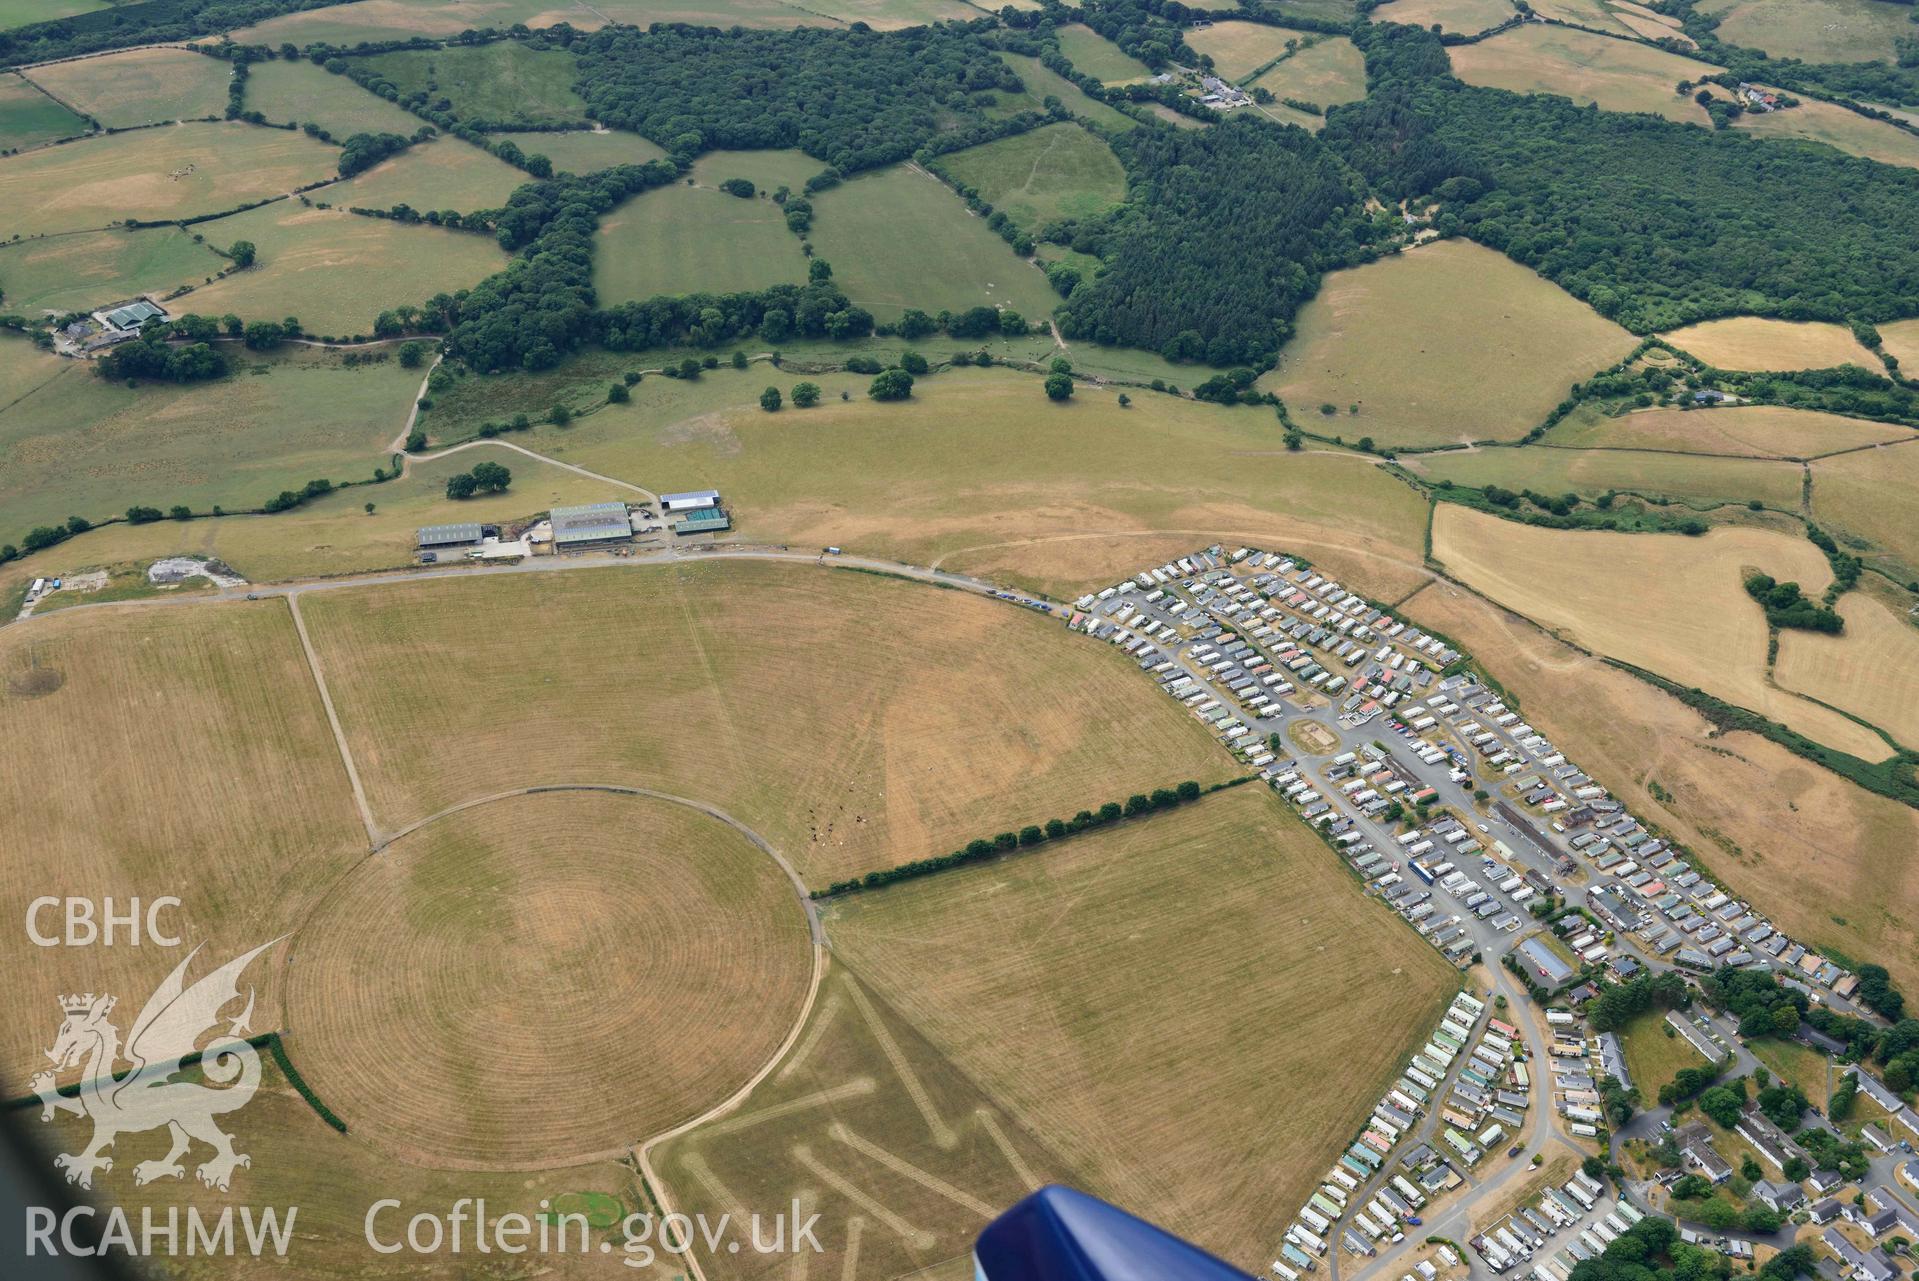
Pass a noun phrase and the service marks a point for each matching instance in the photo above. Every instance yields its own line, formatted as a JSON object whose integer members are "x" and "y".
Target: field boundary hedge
{"x": 982, "y": 850}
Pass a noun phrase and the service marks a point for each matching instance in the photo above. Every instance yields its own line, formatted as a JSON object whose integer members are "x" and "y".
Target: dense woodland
{"x": 148, "y": 22}
{"x": 1655, "y": 224}
{"x": 854, "y": 99}
{"x": 1226, "y": 234}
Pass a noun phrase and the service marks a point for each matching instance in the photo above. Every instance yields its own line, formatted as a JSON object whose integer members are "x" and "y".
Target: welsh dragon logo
{"x": 147, "y": 1096}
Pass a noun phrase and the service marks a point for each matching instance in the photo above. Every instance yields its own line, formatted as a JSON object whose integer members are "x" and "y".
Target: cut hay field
{"x": 980, "y": 472}
{"x": 1815, "y": 30}
{"x": 297, "y": 1160}
{"x": 862, "y": 1112}
{"x": 1037, "y": 177}
{"x": 140, "y": 86}
{"x": 881, "y": 15}
{"x": 1752, "y": 431}
{"x": 582, "y": 151}
{"x": 179, "y": 751}
{"x": 1760, "y": 343}
{"x": 900, "y": 238}
{"x": 1240, "y": 48}
{"x": 1830, "y": 861}
{"x": 1450, "y": 341}
{"x": 963, "y": 716}
{"x": 153, "y": 174}
{"x": 1699, "y": 480}
{"x": 698, "y": 239}
{"x": 1465, "y": 16}
{"x": 1867, "y": 670}
{"x": 29, "y": 117}
{"x": 1901, "y": 339}
{"x": 1690, "y": 619}
{"x": 377, "y": 20}
{"x": 505, "y": 81}
{"x": 80, "y": 445}
{"x": 1040, "y": 975}
{"x": 336, "y": 271}
{"x": 1042, "y": 82}
{"x": 1328, "y": 73}
{"x": 96, "y": 268}
{"x": 1836, "y": 127}
{"x": 300, "y": 92}
{"x": 1618, "y": 75}
{"x": 1092, "y": 54}
{"x": 442, "y": 174}
{"x": 1867, "y": 495}
{"x": 636, "y": 941}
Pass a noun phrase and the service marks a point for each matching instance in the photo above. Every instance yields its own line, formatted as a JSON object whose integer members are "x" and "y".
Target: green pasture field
{"x": 1695, "y": 479}
{"x": 177, "y": 172}
{"x": 502, "y": 81}
{"x": 140, "y": 86}
{"x": 881, "y": 15}
{"x": 29, "y": 117}
{"x": 1059, "y": 171}
{"x": 1092, "y": 54}
{"x": 337, "y": 271}
{"x": 695, "y": 238}
{"x": 1179, "y": 120}
{"x": 375, "y": 20}
{"x": 980, "y": 468}
{"x": 1330, "y": 10}
{"x": 900, "y": 238}
{"x": 300, "y": 92}
{"x": 1652, "y": 1057}
{"x": 1449, "y": 341}
{"x": 1618, "y": 75}
{"x": 1815, "y": 30}
{"x": 1465, "y": 16}
{"x": 1042, "y": 81}
{"x": 1868, "y": 495}
{"x": 92, "y": 269}
{"x": 1758, "y": 431}
{"x": 1330, "y": 72}
{"x": 80, "y": 445}
{"x": 582, "y": 151}
{"x": 442, "y": 174}
{"x": 20, "y": 13}
{"x": 1197, "y": 924}
{"x": 1240, "y": 48}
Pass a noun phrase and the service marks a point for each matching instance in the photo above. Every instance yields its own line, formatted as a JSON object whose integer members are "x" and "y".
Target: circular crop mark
{"x": 546, "y": 976}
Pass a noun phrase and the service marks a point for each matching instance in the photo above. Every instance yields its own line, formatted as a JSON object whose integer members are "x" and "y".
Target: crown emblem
{"x": 79, "y": 1004}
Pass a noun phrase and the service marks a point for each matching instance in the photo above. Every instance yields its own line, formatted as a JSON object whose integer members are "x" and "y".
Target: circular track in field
{"x": 544, "y": 977}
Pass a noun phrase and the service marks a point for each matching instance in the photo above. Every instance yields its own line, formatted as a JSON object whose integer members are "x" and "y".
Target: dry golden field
{"x": 1815, "y": 30}
{"x": 555, "y": 976}
{"x": 140, "y": 86}
{"x": 1870, "y": 670}
{"x": 1746, "y": 431}
{"x": 1616, "y": 74}
{"x": 1450, "y": 341}
{"x": 443, "y": 174}
{"x": 1665, "y": 602}
{"x": 1465, "y": 16}
{"x": 180, "y": 171}
{"x": 937, "y": 478}
{"x": 955, "y": 717}
{"x": 1828, "y": 860}
{"x": 1183, "y": 960}
{"x": 1868, "y": 494}
{"x": 901, "y": 1153}
{"x": 1240, "y": 48}
{"x": 1755, "y": 342}
{"x": 174, "y": 751}
{"x": 1702, "y": 480}
{"x": 1332, "y": 71}
{"x": 1837, "y": 127}
{"x": 1901, "y": 338}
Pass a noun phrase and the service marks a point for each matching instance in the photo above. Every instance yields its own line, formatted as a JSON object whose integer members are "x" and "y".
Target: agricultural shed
{"x": 704, "y": 520}
{"x": 692, "y": 500}
{"x": 591, "y": 523}
{"x": 131, "y": 316}
{"x": 457, "y": 535}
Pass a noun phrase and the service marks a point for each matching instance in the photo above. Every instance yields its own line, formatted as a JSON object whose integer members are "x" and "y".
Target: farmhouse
{"x": 590, "y": 525}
